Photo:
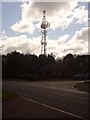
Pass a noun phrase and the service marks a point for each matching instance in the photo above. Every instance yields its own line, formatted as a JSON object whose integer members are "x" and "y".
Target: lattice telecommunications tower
{"x": 44, "y": 26}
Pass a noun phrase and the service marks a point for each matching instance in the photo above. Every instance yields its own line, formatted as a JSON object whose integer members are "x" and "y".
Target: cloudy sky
{"x": 68, "y": 32}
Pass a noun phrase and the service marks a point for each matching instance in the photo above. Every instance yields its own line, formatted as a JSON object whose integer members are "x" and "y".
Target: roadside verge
{"x": 84, "y": 86}
{"x": 7, "y": 95}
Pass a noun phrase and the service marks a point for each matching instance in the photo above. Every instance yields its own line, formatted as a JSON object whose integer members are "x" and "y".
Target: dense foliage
{"x": 16, "y": 65}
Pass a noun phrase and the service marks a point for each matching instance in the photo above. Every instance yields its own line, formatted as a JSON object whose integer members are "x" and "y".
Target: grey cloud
{"x": 74, "y": 50}
{"x": 23, "y": 48}
{"x": 83, "y": 35}
{"x": 50, "y": 7}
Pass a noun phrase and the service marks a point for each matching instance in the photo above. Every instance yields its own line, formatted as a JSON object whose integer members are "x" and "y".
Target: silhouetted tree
{"x": 21, "y": 65}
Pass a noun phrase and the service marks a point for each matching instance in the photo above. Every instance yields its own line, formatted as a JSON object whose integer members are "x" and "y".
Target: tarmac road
{"x": 65, "y": 103}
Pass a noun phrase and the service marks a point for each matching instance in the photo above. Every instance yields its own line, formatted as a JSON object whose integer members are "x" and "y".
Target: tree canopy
{"x": 28, "y": 66}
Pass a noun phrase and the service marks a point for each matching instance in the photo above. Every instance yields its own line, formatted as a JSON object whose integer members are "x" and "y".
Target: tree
{"x": 14, "y": 62}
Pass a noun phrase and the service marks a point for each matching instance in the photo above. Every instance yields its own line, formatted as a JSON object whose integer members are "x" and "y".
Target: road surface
{"x": 68, "y": 102}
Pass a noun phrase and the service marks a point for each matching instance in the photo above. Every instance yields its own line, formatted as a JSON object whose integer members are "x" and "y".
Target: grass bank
{"x": 7, "y": 95}
{"x": 85, "y": 86}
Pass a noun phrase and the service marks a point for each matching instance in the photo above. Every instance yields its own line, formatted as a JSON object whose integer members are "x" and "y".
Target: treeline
{"x": 32, "y": 67}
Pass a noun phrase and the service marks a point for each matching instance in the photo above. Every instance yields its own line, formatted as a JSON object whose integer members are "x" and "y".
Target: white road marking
{"x": 54, "y": 108}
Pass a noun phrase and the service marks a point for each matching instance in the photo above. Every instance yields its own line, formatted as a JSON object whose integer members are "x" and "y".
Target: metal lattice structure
{"x": 44, "y": 26}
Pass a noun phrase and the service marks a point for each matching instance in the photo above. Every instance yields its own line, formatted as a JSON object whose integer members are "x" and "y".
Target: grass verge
{"x": 85, "y": 86}
{"x": 7, "y": 95}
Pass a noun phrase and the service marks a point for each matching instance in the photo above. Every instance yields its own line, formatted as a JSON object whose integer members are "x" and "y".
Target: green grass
{"x": 7, "y": 95}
